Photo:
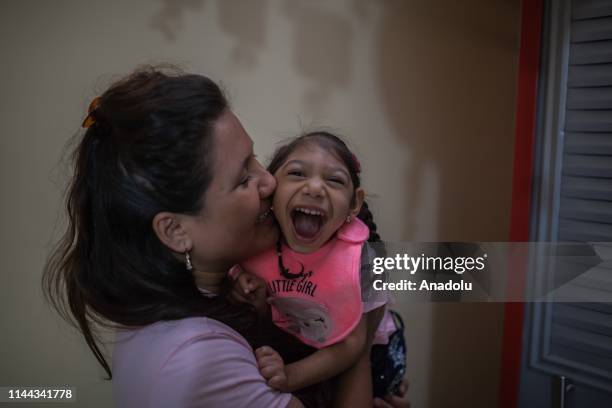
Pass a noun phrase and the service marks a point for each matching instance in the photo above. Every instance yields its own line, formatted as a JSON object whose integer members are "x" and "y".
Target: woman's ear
{"x": 357, "y": 201}
{"x": 171, "y": 233}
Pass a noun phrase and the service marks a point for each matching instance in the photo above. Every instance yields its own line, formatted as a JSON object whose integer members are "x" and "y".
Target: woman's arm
{"x": 294, "y": 403}
{"x": 216, "y": 367}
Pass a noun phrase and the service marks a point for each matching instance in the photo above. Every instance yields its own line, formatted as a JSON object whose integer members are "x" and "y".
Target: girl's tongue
{"x": 307, "y": 226}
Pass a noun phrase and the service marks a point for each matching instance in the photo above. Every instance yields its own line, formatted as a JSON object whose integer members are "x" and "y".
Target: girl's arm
{"x": 351, "y": 354}
{"x": 353, "y": 387}
{"x": 319, "y": 366}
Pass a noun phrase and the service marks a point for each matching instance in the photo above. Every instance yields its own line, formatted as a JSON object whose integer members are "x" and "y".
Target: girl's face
{"x": 313, "y": 198}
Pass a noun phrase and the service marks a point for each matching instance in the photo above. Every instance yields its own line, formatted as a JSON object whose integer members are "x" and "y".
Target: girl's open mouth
{"x": 307, "y": 223}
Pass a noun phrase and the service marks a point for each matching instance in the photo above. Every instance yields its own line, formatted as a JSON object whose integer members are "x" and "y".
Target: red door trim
{"x": 528, "y": 71}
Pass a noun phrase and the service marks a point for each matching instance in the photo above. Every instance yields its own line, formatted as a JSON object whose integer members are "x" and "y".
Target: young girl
{"x": 319, "y": 273}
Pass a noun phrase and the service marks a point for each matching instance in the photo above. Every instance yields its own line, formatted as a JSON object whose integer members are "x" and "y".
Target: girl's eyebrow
{"x": 333, "y": 169}
{"x": 295, "y": 161}
{"x": 342, "y": 173}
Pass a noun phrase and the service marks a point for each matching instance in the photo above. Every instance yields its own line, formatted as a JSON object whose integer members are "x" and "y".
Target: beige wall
{"x": 423, "y": 90}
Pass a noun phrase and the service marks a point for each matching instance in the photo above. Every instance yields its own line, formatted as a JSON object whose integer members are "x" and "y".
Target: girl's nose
{"x": 314, "y": 187}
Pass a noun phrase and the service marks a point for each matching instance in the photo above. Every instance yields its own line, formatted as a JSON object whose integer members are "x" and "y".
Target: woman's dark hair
{"x": 147, "y": 151}
{"x": 338, "y": 148}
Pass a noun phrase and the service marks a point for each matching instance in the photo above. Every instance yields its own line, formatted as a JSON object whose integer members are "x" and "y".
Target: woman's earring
{"x": 188, "y": 263}
{"x": 348, "y": 219}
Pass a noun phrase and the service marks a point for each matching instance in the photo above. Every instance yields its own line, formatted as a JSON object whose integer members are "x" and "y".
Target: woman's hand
{"x": 248, "y": 288}
{"x": 399, "y": 400}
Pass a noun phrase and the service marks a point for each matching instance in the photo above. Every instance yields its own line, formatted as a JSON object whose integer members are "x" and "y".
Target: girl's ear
{"x": 170, "y": 231}
{"x": 357, "y": 202}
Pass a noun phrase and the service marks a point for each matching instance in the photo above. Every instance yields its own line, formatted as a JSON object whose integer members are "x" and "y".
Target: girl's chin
{"x": 303, "y": 249}
{"x": 302, "y": 245}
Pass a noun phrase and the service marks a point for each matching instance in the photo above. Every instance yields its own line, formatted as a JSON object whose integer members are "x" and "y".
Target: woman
{"x": 166, "y": 196}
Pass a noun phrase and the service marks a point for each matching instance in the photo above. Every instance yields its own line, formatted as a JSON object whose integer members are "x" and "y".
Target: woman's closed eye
{"x": 249, "y": 170}
{"x": 244, "y": 182}
{"x": 295, "y": 173}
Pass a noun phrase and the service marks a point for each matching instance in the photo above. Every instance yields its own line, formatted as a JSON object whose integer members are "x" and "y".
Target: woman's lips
{"x": 264, "y": 216}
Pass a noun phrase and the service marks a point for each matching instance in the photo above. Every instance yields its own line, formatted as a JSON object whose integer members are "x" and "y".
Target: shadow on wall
{"x": 447, "y": 82}
{"x": 243, "y": 21}
{"x": 447, "y": 77}
{"x": 169, "y": 19}
{"x": 321, "y": 51}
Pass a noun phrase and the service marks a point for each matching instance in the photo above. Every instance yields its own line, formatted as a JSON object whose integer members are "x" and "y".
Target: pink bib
{"x": 321, "y": 303}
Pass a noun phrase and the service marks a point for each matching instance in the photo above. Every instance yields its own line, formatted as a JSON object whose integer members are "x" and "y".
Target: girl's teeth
{"x": 309, "y": 211}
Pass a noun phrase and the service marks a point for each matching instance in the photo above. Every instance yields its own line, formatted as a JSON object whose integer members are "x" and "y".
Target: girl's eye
{"x": 296, "y": 173}
{"x": 336, "y": 180}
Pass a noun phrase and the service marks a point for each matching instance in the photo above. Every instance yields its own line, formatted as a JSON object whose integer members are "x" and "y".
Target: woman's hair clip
{"x": 356, "y": 163}
{"x": 90, "y": 119}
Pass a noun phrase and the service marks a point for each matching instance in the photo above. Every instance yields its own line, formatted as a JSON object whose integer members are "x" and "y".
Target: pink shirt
{"x": 320, "y": 303}
{"x": 193, "y": 362}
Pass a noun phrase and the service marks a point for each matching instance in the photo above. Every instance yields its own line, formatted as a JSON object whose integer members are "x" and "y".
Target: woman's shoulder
{"x": 197, "y": 326}
{"x": 186, "y": 363}
{"x": 164, "y": 338}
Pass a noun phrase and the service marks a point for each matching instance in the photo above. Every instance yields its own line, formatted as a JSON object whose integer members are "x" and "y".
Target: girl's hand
{"x": 399, "y": 400}
{"x": 272, "y": 368}
{"x": 248, "y": 288}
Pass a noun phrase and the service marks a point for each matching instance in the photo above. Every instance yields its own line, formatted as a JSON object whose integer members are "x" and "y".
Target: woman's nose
{"x": 267, "y": 184}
